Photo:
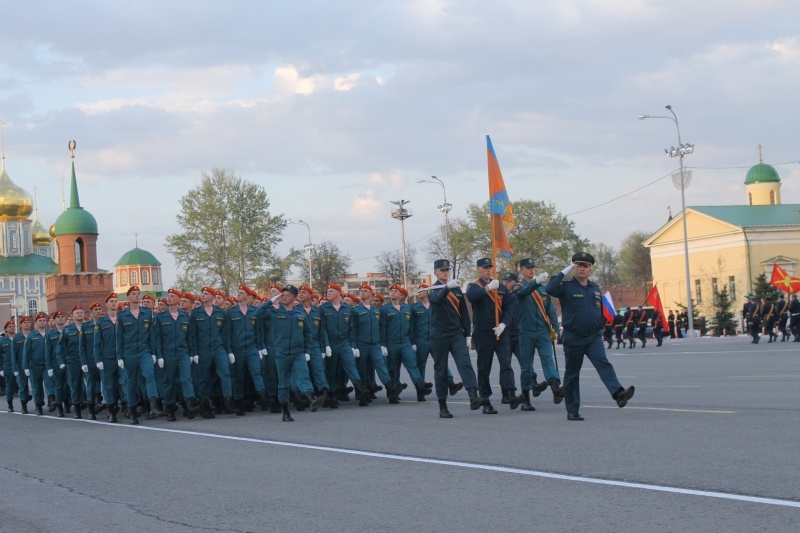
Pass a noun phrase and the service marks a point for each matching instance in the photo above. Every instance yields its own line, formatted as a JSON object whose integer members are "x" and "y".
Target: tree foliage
{"x": 227, "y": 232}
{"x": 635, "y": 267}
{"x": 721, "y": 319}
{"x": 455, "y": 245}
{"x": 762, "y": 288}
{"x": 391, "y": 263}
{"x": 329, "y": 265}
{"x": 605, "y": 271}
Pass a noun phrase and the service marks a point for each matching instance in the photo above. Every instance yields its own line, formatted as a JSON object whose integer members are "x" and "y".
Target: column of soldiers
{"x": 212, "y": 354}
{"x": 762, "y": 316}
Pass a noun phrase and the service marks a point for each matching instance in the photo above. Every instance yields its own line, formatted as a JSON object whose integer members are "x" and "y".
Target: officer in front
{"x": 582, "y": 315}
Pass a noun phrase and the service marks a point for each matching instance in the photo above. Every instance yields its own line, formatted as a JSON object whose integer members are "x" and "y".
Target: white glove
{"x": 384, "y": 351}
{"x": 414, "y": 347}
{"x": 308, "y": 358}
{"x": 275, "y": 298}
{"x": 16, "y": 374}
{"x": 196, "y": 359}
{"x": 263, "y": 352}
{"x": 453, "y": 283}
{"x": 154, "y": 359}
{"x": 121, "y": 363}
{"x": 231, "y": 358}
{"x": 50, "y": 373}
{"x": 100, "y": 365}
{"x": 356, "y": 353}
{"x": 161, "y": 363}
{"x": 499, "y": 329}
{"x": 469, "y": 342}
{"x": 27, "y": 372}
{"x": 2, "y": 374}
{"x": 492, "y": 286}
{"x": 568, "y": 269}
{"x": 59, "y": 366}
{"x": 542, "y": 278}
{"x": 85, "y": 369}
{"x": 328, "y": 351}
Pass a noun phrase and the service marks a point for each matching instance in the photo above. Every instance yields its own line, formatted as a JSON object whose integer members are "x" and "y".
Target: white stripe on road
{"x": 461, "y": 464}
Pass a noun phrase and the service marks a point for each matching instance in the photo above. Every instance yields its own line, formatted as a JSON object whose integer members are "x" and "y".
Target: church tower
{"x": 762, "y": 184}
{"x": 78, "y": 280}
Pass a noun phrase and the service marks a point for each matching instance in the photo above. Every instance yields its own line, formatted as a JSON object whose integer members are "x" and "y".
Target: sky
{"x": 338, "y": 108}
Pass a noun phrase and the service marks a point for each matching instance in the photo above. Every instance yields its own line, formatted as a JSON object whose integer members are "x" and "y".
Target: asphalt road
{"x": 708, "y": 443}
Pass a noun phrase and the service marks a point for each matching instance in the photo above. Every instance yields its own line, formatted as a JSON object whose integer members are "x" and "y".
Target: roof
{"x": 75, "y": 219}
{"x": 137, "y": 256}
{"x": 27, "y": 264}
{"x": 761, "y": 173}
{"x": 753, "y": 216}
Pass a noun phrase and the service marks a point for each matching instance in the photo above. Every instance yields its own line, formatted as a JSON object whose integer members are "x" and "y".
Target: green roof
{"x": 753, "y": 216}
{"x": 761, "y": 173}
{"x": 75, "y": 219}
{"x": 137, "y": 256}
{"x": 27, "y": 265}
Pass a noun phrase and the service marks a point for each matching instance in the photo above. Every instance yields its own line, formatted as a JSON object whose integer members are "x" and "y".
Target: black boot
{"x": 60, "y": 407}
{"x": 315, "y": 403}
{"x": 514, "y": 400}
{"x": 423, "y": 389}
{"x": 506, "y": 397}
{"x": 171, "y": 409}
{"x": 23, "y": 408}
{"x": 558, "y": 391}
{"x": 452, "y": 386}
{"x": 160, "y": 408}
{"x": 443, "y": 411}
{"x": 332, "y": 402}
{"x": 10, "y": 405}
{"x": 125, "y": 411}
{"x": 539, "y": 388}
{"x": 77, "y": 411}
{"x": 263, "y": 400}
{"x": 240, "y": 407}
{"x": 51, "y": 403}
{"x": 39, "y": 410}
{"x": 153, "y": 413}
{"x": 526, "y": 402}
{"x": 393, "y": 393}
{"x": 287, "y": 416}
{"x": 488, "y": 409}
{"x": 475, "y": 402}
{"x": 275, "y": 405}
{"x": 112, "y": 413}
{"x": 92, "y": 412}
{"x": 207, "y": 411}
{"x": 133, "y": 411}
{"x": 192, "y": 408}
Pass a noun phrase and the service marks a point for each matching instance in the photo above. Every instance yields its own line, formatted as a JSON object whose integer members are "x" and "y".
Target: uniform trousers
{"x": 37, "y": 382}
{"x": 249, "y": 360}
{"x": 92, "y": 381}
{"x": 8, "y": 370}
{"x": 528, "y": 344}
{"x": 74, "y": 380}
{"x": 269, "y": 372}
{"x": 177, "y": 372}
{"x": 111, "y": 381}
{"x": 575, "y": 347}
{"x": 487, "y": 344}
{"x": 371, "y": 361}
{"x": 402, "y": 353}
{"x": 441, "y": 347}
{"x": 139, "y": 367}
{"x": 211, "y": 363}
{"x": 316, "y": 370}
{"x": 292, "y": 367}
{"x": 60, "y": 390}
{"x": 341, "y": 357}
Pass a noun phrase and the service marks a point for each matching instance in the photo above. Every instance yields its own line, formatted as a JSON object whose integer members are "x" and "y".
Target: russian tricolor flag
{"x": 609, "y": 311}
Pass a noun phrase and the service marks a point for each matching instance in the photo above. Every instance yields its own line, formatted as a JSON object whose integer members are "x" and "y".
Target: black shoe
{"x": 206, "y": 411}
{"x": 558, "y": 392}
{"x": 623, "y": 395}
{"x": 488, "y": 409}
{"x": 240, "y": 407}
{"x": 538, "y": 389}
{"x": 287, "y": 416}
{"x": 77, "y": 414}
{"x": 171, "y": 413}
{"x": 275, "y": 406}
{"x": 192, "y": 408}
{"x": 60, "y": 408}
{"x": 514, "y": 400}
{"x": 92, "y": 412}
{"x": 51, "y": 404}
{"x": 475, "y": 402}
{"x": 453, "y": 387}
{"x": 574, "y": 416}
{"x": 134, "y": 414}
{"x": 10, "y": 406}
{"x": 526, "y": 402}
{"x": 421, "y": 397}
{"x": 39, "y": 410}
{"x": 506, "y": 397}
{"x": 317, "y": 402}
{"x": 24, "y": 408}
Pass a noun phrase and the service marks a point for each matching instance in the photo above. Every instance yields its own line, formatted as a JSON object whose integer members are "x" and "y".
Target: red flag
{"x": 783, "y": 281}
{"x": 654, "y": 299}
{"x": 499, "y": 205}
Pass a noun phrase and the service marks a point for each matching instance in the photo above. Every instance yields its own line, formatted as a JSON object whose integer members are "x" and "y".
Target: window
{"x": 750, "y": 198}
{"x": 714, "y": 289}
{"x": 145, "y": 278}
{"x": 133, "y": 278}
{"x": 698, "y": 292}
{"x": 732, "y": 287}
{"x": 33, "y": 307}
{"x": 14, "y": 238}
{"x": 155, "y": 276}
{"x": 124, "y": 278}
{"x": 772, "y": 197}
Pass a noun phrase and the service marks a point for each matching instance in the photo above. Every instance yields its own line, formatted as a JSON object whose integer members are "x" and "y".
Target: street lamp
{"x": 402, "y": 214}
{"x": 308, "y": 247}
{"x": 681, "y": 180}
{"x": 444, "y": 208}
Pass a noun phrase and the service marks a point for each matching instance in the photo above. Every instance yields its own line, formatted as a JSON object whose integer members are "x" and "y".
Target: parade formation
{"x": 217, "y": 354}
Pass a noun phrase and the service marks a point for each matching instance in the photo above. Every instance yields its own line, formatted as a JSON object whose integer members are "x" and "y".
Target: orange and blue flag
{"x": 499, "y": 205}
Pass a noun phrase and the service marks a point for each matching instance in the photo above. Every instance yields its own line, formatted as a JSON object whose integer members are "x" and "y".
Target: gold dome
{"x": 40, "y": 235}
{"x": 15, "y": 202}
{"x": 52, "y": 231}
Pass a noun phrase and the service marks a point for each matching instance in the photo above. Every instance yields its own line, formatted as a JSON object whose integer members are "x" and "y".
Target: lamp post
{"x": 308, "y": 247}
{"x": 681, "y": 180}
{"x": 444, "y": 208}
{"x": 402, "y": 214}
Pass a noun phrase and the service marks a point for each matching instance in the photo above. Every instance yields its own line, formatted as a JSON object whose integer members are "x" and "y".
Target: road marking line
{"x": 462, "y": 464}
{"x": 662, "y": 409}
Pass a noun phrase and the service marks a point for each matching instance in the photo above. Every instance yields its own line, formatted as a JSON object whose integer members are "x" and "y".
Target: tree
{"x": 329, "y": 265}
{"x": 228, "y": 234}
{"x": 457, "y": 248}
{"x": 281, "y": 268}
{"x": 721, "y": 319}
{"x": 391, "y": 263}
{"x": 763, "y": 288}
{"x": 541, "y": 232}
{"x": 606, "y": 258}
{"x": 634, "y": 259}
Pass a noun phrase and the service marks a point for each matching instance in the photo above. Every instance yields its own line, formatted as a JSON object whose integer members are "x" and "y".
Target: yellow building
{"x": 729, "y": 245}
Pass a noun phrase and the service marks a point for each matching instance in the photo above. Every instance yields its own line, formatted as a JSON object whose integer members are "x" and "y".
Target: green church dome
{"x": 137, "y": 256}
{"x": 75, "y": 219}
{"x": 762, "y": 173}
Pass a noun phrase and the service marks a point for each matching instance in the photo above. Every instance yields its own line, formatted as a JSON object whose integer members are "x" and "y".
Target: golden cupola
{"x": 15, "y": 202}
{"x": 41, "y": 237}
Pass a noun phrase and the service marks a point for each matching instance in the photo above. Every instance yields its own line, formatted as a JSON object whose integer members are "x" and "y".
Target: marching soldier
{"x": 316, "y": 363}
{"x": 768, "y": 318}
{"x": 54, "y": 370}
{"x": 68, "y": 354}
{"x": 755, "y": 319}
{"x": 629, "y": 319}
{"x": 241, "y": 343}
{"x": 641, "y": 324}
{"x": 782, "y": 312}
{"x": 658, "y": 326}
{"x": 421, "y": 316}
{"x": 490, "y": 319}
{"x": 19, "y": 372}
{"x": 114, "y": 378}
{"x": 33, "y": 360}
{"x": 619, "y": 323}
{"x": 794, "y": 317}
{"x": 450, "y": 334}
{"x": 91, "y": 374}
{"x": 581, "y": 307}
{"x": 7, "y": 369}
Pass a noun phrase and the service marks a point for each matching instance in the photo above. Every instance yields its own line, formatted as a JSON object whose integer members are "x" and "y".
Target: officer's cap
{"x": 582, "y": 258}
{"x": 527, "y": 263}
{"x": 510, "y": 277}
{"x": 483, "y": 262}
{"x": 441, "y": 264}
